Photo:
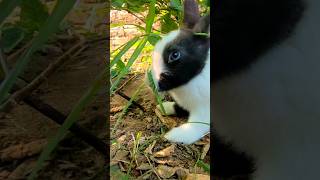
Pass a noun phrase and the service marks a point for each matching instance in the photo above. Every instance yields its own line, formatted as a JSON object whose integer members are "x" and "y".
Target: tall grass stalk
{"x": 71, "y": 119}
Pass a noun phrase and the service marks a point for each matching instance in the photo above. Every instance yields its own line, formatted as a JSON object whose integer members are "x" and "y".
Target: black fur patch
{"x": 180, "y": 112}
{"x": 194, "y": 51}
{"x": 243, "y": 30}
{"x": 227, "y": 162}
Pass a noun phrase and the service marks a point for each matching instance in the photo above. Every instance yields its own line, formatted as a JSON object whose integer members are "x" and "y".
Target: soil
{"x": 150, "y": 156}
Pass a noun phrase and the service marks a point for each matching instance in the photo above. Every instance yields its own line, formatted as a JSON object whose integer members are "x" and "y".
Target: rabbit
{"x": 266, "y": 89}
{"x": 181, "y": 67}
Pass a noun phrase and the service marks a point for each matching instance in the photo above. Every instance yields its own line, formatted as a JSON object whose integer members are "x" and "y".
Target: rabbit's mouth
{"x": 165, "y": 82}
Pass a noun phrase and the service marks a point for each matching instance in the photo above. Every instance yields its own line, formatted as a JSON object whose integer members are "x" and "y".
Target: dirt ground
{"x": 24, "y": 131}
{"x": 151, "y": 156}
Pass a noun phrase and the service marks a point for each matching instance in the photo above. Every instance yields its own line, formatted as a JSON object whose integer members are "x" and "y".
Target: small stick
{"x": 125, "y": 83}
{"x": 59, "y": 118}
{"x": 18, "y": 52}
{"x": 133, "y": 102}
{"x": 3, "y": 61}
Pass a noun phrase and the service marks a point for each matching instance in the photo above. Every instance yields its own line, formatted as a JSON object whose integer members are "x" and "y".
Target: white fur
{"x": 168, "y": 108}
{"x": 272, "y": 111}
{"x": 157, "y": 60}
{"x": 193, "y": 96}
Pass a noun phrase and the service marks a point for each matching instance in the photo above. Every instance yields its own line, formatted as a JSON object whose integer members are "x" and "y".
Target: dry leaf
{"x": 205, "y": 151}
{"x": 150, "y": 147}
{"x": 182, "y": 173}
{"x": 197, "y": 177}
{"x": 167, "y": 121}
{"x": 21, "y": 151}
{"x": 165, "y": 171}
{"x": 4, "y": 174}
{"x": 144, "y": 166}
{"x": 116, "y": 109}
{"x": 160, "y": 161}
{"x": 121, "y": 155}
{"x": 22, "y": 170}
{"x": 168, "y": 151}
{"x": 121, "y": 139}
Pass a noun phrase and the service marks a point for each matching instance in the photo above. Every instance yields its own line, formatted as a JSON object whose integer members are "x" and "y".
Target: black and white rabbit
{"x": 181, "y": 67}
{"x": 266, "y": 89}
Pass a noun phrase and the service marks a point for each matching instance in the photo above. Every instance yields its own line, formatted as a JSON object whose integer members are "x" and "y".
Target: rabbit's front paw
{"x": 187, "y": 133}
{"x": 168, "y": 108}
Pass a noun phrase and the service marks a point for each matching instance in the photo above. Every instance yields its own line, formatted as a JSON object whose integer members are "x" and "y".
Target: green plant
{"x": 169, "y": 15}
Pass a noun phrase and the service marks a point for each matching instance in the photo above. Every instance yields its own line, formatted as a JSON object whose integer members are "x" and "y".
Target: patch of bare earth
{"x": 151, "y": 156}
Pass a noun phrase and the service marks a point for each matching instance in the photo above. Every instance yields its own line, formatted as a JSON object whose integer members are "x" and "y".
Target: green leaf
{"x": 136, "y": 5}
{"x": 71, "y": 119}
{"x": 113, "y": 73}
{"x": 131, "y": 60}
{"x": 155, "y": 91}
{"x": 153, "y": 39}
{"x": 150, "y": 17}
{"x": 176, "y": 4}
{"x": 208, "y": 3}
{"x": 128, "y": 45}
{"x": 33, "y": 15}
{"x": 120, "y": 66}
{"x": 168, "y": 24}
{"x": 117, "y": 3}
{"x": 205, "y": 166}
{"x": 11, "y": 37}
{"x": 6, "y": 7}
{"x": 50, "y": 26}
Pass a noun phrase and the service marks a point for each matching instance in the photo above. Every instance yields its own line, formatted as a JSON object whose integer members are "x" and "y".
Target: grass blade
{"x": 119, "y": 120}
{"x": 6, "y": 7}
{"x": 155, "y": 92}
{"x": 72, "y": 118}
{"x": 150, "y": 17}
{"x": 132, "y": 59}
{"x": 49, "y": 27}
{"x": 205, "y": 166}
{"x": 128, "y": 45}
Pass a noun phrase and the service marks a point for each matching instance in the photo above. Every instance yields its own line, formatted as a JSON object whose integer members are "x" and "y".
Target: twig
{"x": 99, "y": 39}
{"x": 59, "y": 118}
{"x": 3, "y": 61}
{"x": 14, "y": 55}
{"x": 133, "y": 102}
{"x": 125, "y": 83}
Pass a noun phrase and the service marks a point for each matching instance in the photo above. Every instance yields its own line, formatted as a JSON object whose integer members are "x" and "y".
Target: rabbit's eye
{"x": 174, "y": 56}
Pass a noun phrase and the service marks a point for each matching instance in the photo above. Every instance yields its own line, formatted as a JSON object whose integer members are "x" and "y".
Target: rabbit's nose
{"x": 163, "y": 77}
{"x": 163, "y": 82}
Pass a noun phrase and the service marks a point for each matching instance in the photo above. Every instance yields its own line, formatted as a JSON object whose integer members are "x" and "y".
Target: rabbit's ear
{"x": 191, "y": 13}
{"x": 203, "y": 26}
